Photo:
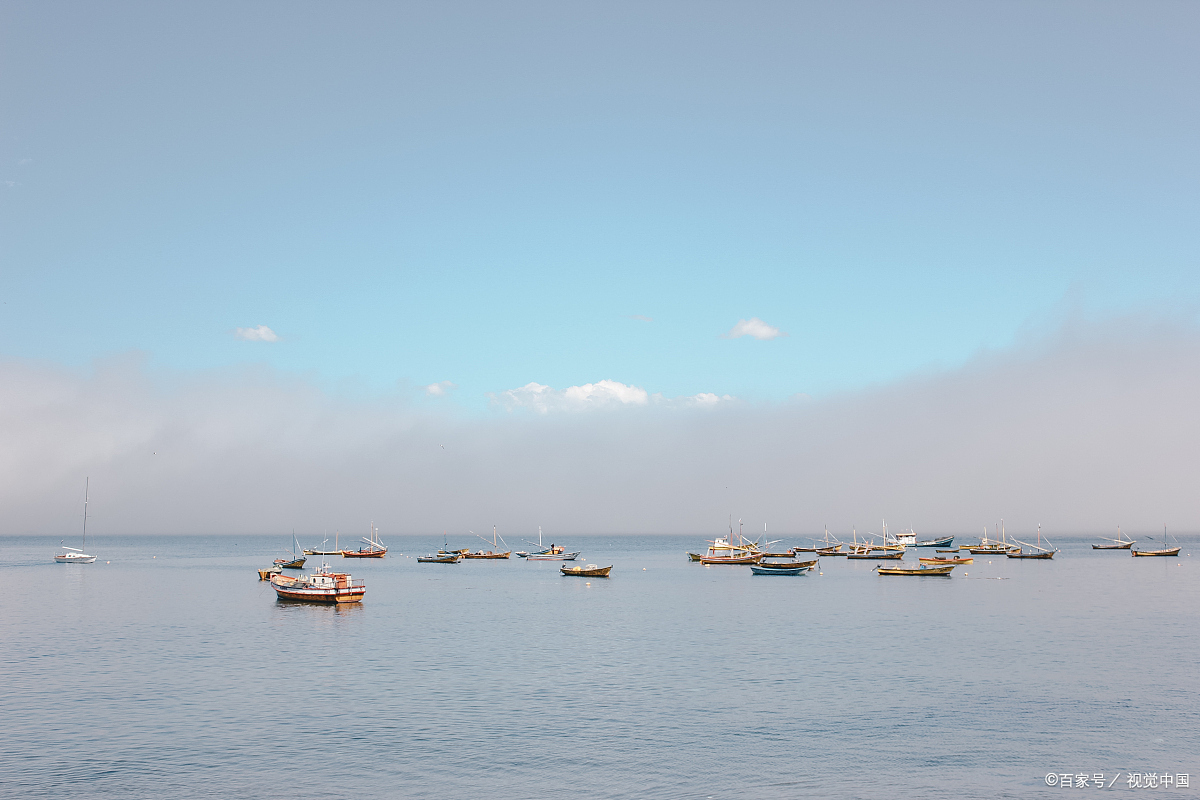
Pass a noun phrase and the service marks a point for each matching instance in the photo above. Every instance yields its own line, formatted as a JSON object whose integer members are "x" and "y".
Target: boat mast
{"x": 87, "y": 483}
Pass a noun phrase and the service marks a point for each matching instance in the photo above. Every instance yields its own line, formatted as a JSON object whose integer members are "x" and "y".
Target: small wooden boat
{"x": 831, "y": 551}
{"x": 694, "y": 556}
{"x": 787, "y": 554}
{"x": 1162, "y": 551}
{"x": 461, "y": 552}
{"x": 590, "y": 571}
{"x": 946, "y": 560}
{"x": 944, "y": 542}
{"x": 495, "y": 552}
{"x": 295, "y": 562}
{"x": 1037, "y": 552}
{"x": 265, "y": 574}
{"x": 372, "y": 547}
{"x": 334, "y": 552}
{"x": 1119, "y": 543}
{"x": 323, "y": 586}
{"x": 1168, "y": 551}
{"x": 951, "y": 550}
{"x": 877, "y": 555}
{"x": 559, "y": 556}
{"x": 441, "y": 558}
{"x": 785, "y": 564}
{"x": 780, "y": 569}
{"x": 923, "y": 571}
{"x": 991, "y": 547}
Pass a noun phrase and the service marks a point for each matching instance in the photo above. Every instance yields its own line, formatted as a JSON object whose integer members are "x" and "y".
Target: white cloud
{"x": 754, "y": 327}
{"x": 260, "y": 334}
{"x": 602, "y": 394}
{"x": 440, "y": 388}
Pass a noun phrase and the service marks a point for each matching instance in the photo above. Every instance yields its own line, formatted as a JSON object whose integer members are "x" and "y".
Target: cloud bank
{"x": 260, "y": 334}
{"x": 1081, "y": 430}
{"x": 605, "y": 394}
{"x": 754, "y": 327}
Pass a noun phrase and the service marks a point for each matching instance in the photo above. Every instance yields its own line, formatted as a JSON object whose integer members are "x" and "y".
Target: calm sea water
{"x": 167, "y": 670}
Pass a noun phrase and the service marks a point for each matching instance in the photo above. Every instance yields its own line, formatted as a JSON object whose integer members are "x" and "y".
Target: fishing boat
{"x": 495, "y": 552}
{"x": 334, "y": 552}
{"x": 294, "y": 562}
{"x": 1037, "y": 552}
{"x": 440, "y": 558}
{"x": 829, "y": 546}
{"x": 542, "y": 550}
{"x": 986, "y": 546}
{"x": 1119, "y": 543}
{"x": 779, "y": 569}
{"x": 877, "y": 555}
{"x": 695, "y": 556}
{"x": 943, "y": 542}
{"x": 590, "y": 571}
{"x": 1163, "y": 551}
{"x": 322, "y": 586}
{"x": 265, "y": 574}
{"x": 372, "y": 547}
{"x": 73, "y": 555}
{"x": 553, "y": 556}
{"x": 906, "y": 538}
{"x": 956, "y": 561}
{"x": 922, "y": 571}
{"x": 785, "y": 564}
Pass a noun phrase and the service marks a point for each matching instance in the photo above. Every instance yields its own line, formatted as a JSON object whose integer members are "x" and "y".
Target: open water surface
{"x": 167, "y": 670}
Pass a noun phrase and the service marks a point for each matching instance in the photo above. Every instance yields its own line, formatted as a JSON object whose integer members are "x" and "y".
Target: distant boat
{"x": 877, "y": 555}
{"x": 323, "y": 586}
{"x": 695, "y": 556}
{"x": 936, "y": 561}
{"x": 735, "y": 549}
{"x": 1119, "y": 543}
{"x": 1164, "y": 551}
{"x": 988, "y": 546}
{"x": 265, "y": 574}
{"x": 294, "y": 562}
{"x": 786, "y": 564}
{"x": 541, "y": 551}
{"x": 445, "y": 558}
{"x": 334, "y": 552}
{"x": 778, "y": 569}
{"x": 1037, "y": 552}
{"x": 590, "y": 571}
{"x": 71, "y": 555}
{"x": 943, "y": 542}
{"x": 920, "y": 571}
{"x": 559, "y": 556}
{"x": 495, "y": 552}
{"x": 373, "y": 547}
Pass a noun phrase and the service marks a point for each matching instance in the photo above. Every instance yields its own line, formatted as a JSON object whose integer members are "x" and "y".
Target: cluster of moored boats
{"x": 738, "y": 550}
{"x": 326, "y": 585}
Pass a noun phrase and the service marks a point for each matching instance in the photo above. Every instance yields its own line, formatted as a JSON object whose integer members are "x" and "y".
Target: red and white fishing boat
{"x": 323, "y": 586}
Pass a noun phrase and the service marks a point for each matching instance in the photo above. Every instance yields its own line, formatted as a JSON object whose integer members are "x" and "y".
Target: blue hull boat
{"x": 936, "y": 542}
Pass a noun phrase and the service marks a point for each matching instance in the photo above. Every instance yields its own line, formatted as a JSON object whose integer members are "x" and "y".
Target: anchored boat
{"x": 323, "y": 586}
{"x": 920, "y": 571}
{"x": 72, "y": 555}
{"x": 495, "y": 552}
{"x": 590, "y": 571}
{"x": 1162, "y": 551}
{"x": 1119, "y": 543}
{"x": 373, "y": 547}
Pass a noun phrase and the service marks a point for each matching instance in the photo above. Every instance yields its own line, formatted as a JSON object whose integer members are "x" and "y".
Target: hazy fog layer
{"x": 1091, "y": 426}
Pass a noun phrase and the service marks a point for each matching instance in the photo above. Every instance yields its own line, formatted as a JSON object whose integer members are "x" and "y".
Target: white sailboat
{"x": 71, "y": 555}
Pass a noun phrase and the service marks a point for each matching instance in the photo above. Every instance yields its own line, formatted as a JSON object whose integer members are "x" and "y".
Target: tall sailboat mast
{"x": 86, "y": 486}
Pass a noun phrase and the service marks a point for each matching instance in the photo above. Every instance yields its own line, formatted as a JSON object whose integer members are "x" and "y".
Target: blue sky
{"x": 488, "y": 194}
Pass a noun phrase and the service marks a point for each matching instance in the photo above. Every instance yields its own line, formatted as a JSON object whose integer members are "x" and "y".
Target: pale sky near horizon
{"x": 482, "y": 196}
{"x": 626, "y": 267}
